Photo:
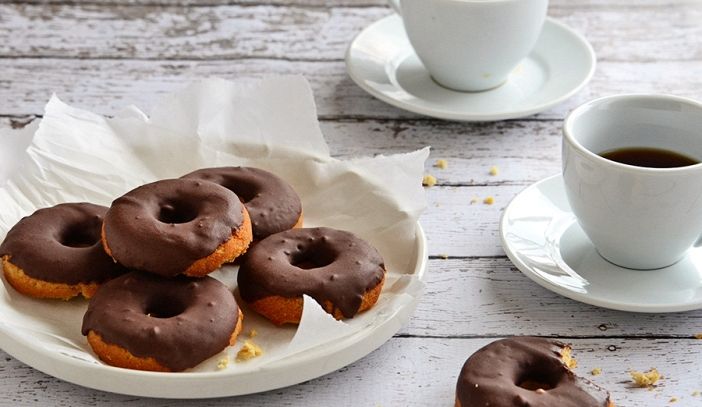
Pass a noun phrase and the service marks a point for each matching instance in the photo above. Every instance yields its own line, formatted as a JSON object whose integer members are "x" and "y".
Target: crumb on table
{"x": 429, "y": 180}
{"x": 441, "y": 163}
{"x": 698, "y": 336}
{"x": 248, "y": 351}
{"x": 596, "y": 371}
{"x": 494, "y": 170}
{"x": 645, "y": 379}
{"x": 673, "y": 399}
{"x": 489, "y": 200}
{"x": 444, "y": 256}
{"x": 253, "y": 333}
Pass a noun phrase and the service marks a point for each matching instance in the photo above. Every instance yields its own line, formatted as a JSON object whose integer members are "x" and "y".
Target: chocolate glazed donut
{"x": 341, "y": 272}
{"x": 56, "y": 252}
{"x": 525, "y": 371}
{"x": 272, "y": 203}
{"x": 142, "y": 321}
{"x": 176, "y": 226}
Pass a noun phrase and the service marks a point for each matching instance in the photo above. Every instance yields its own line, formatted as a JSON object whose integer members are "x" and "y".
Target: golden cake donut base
{"x": 118, "y": 356}
{"x": 299, "y": 222}
{"x": 224, "y": 253}
{"x": 285, "y": 310}
{"x": 36, "y": 288}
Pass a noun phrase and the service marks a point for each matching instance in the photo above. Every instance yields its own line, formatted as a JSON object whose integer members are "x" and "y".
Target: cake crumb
{"x": 253, "y": 333}
{"x": 429, "y": 180}
{"x": 645, "y": 379}
{"x": 441, "y": 163}
{"x": 444, "y": 256}
{"x": 673, "y": 399}
{"x": 494, "y": 170}
{"x": 222, "y": 363}
{"x": 249, "y": 351}
{"x": 489, "y": 200}
{"x": 474, "y": 200}
{"x": 698, "y": 336}
{"x": 596, "y": 371}
{"x": 568, "y": 359}
{"x": 695, "y": 393}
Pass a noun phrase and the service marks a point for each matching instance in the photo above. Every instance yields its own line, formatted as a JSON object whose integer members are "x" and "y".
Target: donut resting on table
{"x": 526, "y": 372}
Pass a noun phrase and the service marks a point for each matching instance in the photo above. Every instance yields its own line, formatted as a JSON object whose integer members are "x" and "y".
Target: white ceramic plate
{"x": 542, "y": 237}
{"x": 51, "y": 354}
{"x": 382, "y": 62}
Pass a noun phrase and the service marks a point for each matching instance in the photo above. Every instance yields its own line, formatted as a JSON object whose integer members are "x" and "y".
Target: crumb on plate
{"x": 223, "y": 363}
{"x": 248, "y": 351}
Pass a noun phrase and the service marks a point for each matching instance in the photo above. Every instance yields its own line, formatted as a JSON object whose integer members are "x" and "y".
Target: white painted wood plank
{"x": 297, "y": 32}
{"x": 490, "y": 297}
{"x": 337, "y": 3}
{"x": 106, "y": 86}
{"x": 407, "y": 372}
{"x": 457, "y": 227}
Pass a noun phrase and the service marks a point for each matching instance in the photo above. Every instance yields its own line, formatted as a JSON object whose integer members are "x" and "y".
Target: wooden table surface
{"x": 105, "y": 54}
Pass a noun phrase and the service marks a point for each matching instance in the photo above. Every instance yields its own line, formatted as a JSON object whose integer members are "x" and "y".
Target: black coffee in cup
{"x": 649, "y": 157}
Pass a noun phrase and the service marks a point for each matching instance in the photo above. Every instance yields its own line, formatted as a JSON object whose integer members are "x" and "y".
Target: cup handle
{"x": 395, "y": 4}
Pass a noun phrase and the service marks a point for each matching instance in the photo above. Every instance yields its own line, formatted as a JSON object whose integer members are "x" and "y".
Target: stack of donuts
{"x": 144, "y": 264}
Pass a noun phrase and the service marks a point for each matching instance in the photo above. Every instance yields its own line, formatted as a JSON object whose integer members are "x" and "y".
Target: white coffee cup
{"x": 471, "y": 45}
{"x": 637, "y": 217}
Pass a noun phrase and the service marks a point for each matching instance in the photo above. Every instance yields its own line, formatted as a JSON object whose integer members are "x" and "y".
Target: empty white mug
{"x": 637, "y": 217}
{"x": 471, "y": 45}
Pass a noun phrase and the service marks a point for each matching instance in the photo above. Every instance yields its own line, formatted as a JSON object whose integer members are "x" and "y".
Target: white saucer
{"x": 543, "y": 239}
{"x": 382, "y": 62}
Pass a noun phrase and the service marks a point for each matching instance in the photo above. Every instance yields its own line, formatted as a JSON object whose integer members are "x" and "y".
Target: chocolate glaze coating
{"x": 165, "y": 226}
{"x": 272, "y": 203}
{"x": 324, "y": 263}
{"x": 61, "y": 244}
{"x": 492, "y": 377}
{"x": 191, "y": 319}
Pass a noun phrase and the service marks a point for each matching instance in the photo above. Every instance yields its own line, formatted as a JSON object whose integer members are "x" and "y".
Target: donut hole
{"x": 244, "y": 190}
{"x": 175, "y": 212}
{"x": 80, "y": 235}
{"x": 311, "y": 258}
{"x": 538, "y": 379}
{"x": 164, "y": 307}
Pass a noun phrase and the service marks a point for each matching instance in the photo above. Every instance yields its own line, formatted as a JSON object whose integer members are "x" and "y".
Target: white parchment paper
{"x": 75, "y": 155}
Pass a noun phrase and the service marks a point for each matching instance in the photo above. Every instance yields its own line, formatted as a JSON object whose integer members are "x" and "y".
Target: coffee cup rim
{"x": 573, "y": 115}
